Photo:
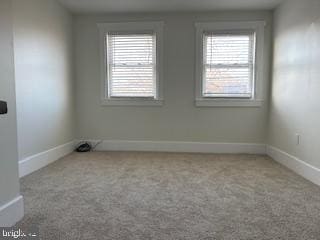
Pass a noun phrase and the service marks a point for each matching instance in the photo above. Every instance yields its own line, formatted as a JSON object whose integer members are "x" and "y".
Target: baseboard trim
{"x": 171, "y": 146}
{"x": 302, "y": 168}
{"x": 295, "y": 164}
{"x": 40, "y": 160}
{"x": 11, "y": 212}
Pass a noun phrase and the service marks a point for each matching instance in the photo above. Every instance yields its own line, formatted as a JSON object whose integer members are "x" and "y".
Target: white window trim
{"x": 156, "y": 27}
{"x": 257, "y": 99}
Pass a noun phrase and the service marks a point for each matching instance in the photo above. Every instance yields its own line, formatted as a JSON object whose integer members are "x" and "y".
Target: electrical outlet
{"x": 298, "y": 139}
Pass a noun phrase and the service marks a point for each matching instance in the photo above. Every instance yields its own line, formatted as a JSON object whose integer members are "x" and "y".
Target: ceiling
{"x": 117, "y": 6}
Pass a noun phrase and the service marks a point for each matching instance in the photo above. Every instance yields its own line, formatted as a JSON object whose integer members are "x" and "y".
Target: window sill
{"x": 131, "y": 102}
{"x": 202, "y": 102}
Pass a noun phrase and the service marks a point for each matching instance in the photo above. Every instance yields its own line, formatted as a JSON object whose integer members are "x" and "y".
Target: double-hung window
{"x": 131, "y": 63}
{"x": 229, "y": 64}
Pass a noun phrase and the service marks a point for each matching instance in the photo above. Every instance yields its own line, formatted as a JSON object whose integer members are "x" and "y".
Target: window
{"x": 227, "y": 58}
{"x": 228, "y": 65}
{"x": 131, "y": 63}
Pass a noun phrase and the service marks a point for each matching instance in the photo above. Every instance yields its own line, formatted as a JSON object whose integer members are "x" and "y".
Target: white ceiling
{"x": 108, "y": 6}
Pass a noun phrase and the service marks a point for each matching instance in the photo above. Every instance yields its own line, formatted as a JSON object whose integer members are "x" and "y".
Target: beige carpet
{"x": 168, "y": 196}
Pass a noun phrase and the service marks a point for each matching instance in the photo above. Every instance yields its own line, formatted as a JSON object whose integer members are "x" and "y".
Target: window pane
{"x": 226, "y": 82}
{"x": 131, "y": 65}
{"x": 228, "y": 65}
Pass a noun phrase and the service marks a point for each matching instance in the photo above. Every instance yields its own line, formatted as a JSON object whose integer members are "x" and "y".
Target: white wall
{"x": 9, "y": 180}
{"x": 178, "y": 119}
{"x": 44, "y": 75}
{"x": 295, "y": 101}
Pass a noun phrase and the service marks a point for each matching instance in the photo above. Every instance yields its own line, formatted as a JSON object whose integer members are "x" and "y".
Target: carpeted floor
{"x": 170, "y": 196}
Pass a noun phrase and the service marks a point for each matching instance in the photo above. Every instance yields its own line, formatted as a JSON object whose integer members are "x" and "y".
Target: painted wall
{"x": 295, "y": 101}
{"x": 178, "y": 119}
{"x": 9, "y": 180}
{"x": 44, "y": 75}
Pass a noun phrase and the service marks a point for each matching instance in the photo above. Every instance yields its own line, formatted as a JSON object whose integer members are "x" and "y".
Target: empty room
{"x": 160, "y": 119}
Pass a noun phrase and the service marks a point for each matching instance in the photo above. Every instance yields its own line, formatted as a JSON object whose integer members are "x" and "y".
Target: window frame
{"x": 131, "y": 27}
{"x": 230, "y": 27}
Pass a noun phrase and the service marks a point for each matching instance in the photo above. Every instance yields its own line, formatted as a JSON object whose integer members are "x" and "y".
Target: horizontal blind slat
{"x": 131, "y": 65}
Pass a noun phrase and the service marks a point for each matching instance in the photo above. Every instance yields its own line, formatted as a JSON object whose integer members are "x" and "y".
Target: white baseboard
{"x": 300, "y": 167}
{"x": 166, "y": 146}
{"x": 11, "y": 212}
{"x": 40, "y": 160}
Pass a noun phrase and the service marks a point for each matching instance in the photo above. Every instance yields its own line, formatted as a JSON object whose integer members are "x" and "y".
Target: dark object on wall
{"x": 84, "y": 147}
{"x": 3, "y": 107}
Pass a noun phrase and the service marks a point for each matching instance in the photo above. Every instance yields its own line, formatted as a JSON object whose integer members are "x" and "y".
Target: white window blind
{"x": 228, "y": 69}
{"x": 131, "y": 65}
